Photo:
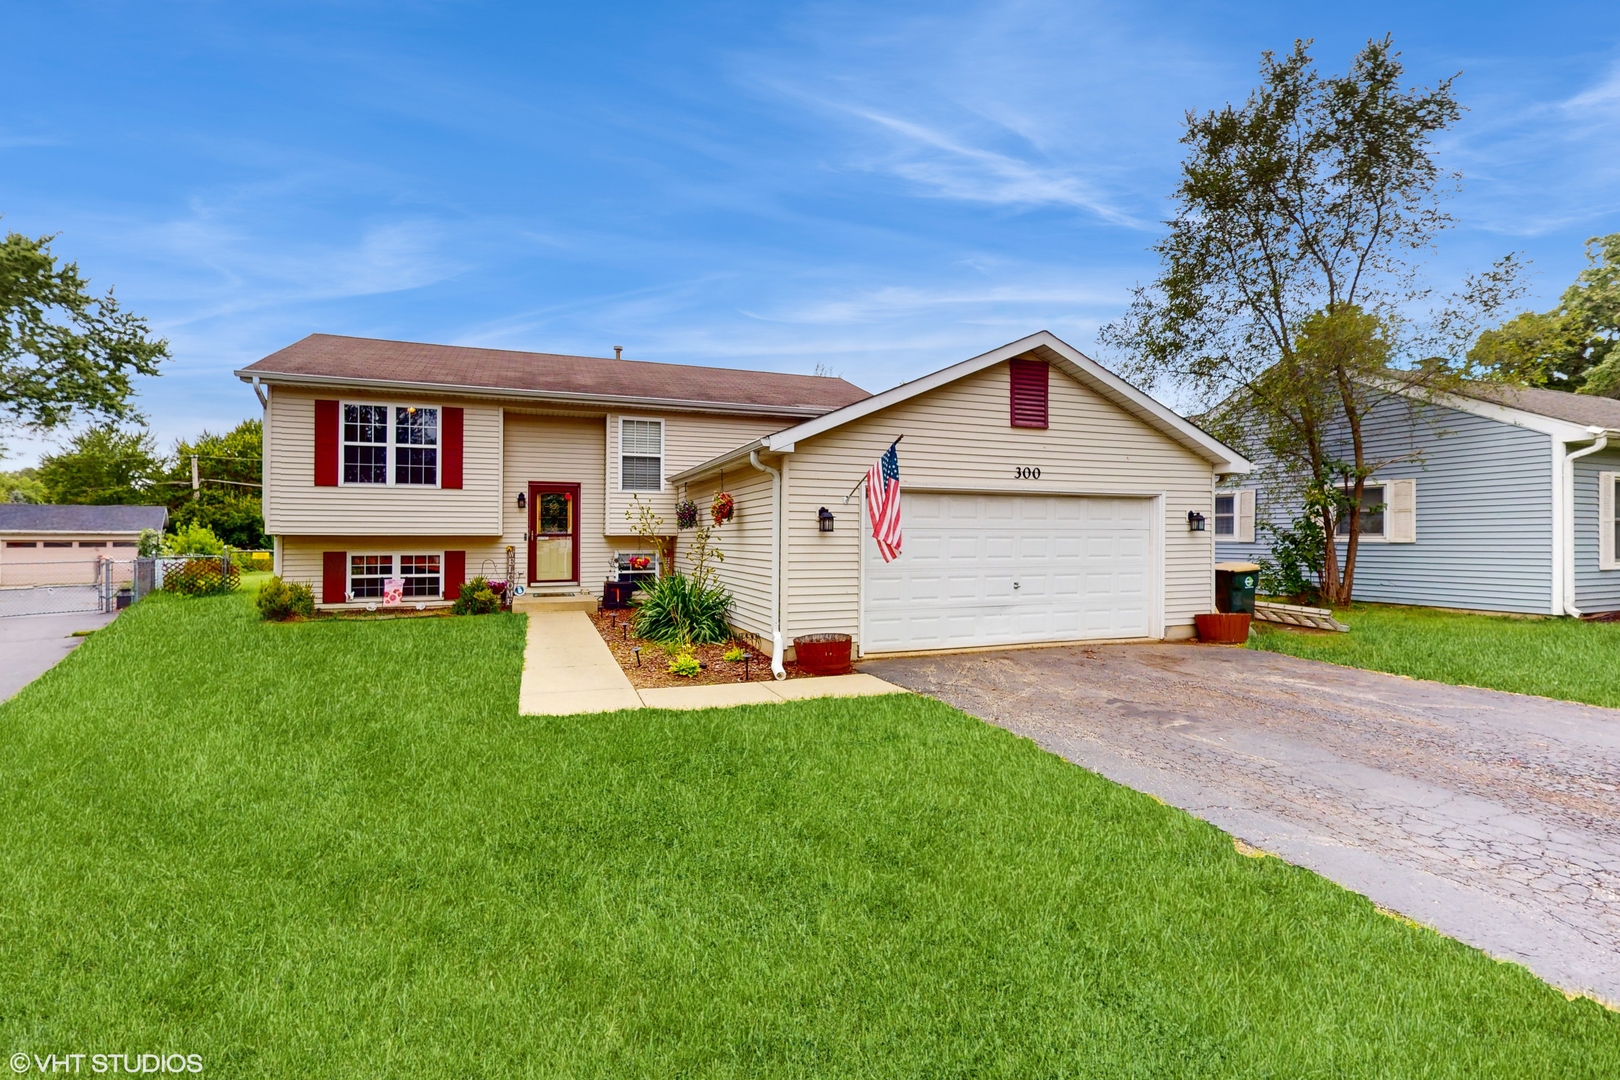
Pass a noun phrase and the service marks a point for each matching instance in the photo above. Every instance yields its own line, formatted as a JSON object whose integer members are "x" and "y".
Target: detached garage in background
{"x": 1044, "y": 500}
{"x": 63, "y": 545}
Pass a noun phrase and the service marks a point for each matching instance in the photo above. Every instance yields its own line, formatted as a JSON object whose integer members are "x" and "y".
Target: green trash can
{"x": 1234, "y": 587}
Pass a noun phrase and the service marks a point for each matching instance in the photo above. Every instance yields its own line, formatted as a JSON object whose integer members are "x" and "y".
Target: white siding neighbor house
{"x": 1502, "y": 502}
{"x": 1045, "y": 499}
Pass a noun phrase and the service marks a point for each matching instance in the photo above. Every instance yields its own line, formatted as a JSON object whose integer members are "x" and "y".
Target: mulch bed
{"x": 654, "y": 669}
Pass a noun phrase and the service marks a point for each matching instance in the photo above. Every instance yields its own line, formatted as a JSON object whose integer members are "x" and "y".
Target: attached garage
{"x": 1045, "y": 500}
{"x": 989, "y": 569}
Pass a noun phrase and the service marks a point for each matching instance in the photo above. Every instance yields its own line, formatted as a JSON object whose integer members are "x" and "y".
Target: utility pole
{"x": 196, "y": 486}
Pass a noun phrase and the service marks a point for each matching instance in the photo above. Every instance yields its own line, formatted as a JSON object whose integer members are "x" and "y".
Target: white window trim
{"x": 438, "y": 470}
{"x": 1242, "y": 515}
{"x": 1367, "y": 537}
{"x": 663, "y": 459}
{"x": 1215, "y": 517}
{"x": 1606, "y": 552}
{"x": 348, "y": 573}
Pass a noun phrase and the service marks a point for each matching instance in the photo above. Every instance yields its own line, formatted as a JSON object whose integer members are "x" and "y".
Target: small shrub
{"x": 280, "y": 600}
{"x": 735, "y": 655}
{"x": 477, "y": 598}
{"x": 194, "y": 540}
{"x": 676, "y": 610}
{"x": 685, "y": 665}
{"x": 253, "y": 561}
{"x": 202, "y": 577}
{"x": 150, "y": 544}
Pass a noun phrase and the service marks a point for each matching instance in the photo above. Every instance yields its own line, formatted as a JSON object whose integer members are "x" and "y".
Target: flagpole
{"x": 862, "y": 480}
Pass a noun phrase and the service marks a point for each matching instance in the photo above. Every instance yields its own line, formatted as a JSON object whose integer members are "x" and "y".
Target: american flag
{"x": 883, "y": 502}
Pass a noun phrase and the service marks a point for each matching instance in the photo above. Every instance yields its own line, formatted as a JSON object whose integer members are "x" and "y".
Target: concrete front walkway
{"x": 1492, "y": 817}
{"x": 568, "y": 669}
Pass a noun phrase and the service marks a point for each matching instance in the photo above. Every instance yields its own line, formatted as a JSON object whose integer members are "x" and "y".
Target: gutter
{"x": 778, "y": 671}
{"x": 618, "y": 401}
{"x": 1567, "y": 516}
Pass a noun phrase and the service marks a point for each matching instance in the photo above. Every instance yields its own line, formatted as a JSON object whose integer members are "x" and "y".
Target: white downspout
{"x": 777, "y": 528}
{"x": 1568, "y": 520}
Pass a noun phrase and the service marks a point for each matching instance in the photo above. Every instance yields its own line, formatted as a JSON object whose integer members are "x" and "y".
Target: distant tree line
{"x": 111, "y": 464}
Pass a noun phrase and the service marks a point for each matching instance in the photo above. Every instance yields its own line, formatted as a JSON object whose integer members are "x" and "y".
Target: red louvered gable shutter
{"x": 455, "y": 573}
{"x": 334, "y": 576}
{"x": 451, "y": 423}
{"x": 1028, "y": 379}
{"x": 326, "y": 444}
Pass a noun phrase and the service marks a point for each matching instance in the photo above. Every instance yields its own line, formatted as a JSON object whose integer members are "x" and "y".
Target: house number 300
{"x": 1025, "y": 472}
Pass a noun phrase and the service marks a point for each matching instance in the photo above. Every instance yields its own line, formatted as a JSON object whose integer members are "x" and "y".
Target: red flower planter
{"x": 1223, "y": 628}
{"x": 822, "y": 654}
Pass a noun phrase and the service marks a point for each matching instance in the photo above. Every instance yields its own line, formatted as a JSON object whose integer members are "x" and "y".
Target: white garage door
{"x": 1011, "y": 569}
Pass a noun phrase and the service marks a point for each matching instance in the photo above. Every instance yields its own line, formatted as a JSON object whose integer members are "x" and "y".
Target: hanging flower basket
{"x": 723, "y": 509}
{"x": 686, "y": 514}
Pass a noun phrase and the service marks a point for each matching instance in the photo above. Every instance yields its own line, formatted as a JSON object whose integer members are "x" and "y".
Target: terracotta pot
{"x": 823, "y": 654}
{"x": 1223, "y": 629}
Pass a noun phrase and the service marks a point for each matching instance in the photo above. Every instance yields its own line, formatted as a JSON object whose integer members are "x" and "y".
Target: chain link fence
{"x": 73, "y": 583}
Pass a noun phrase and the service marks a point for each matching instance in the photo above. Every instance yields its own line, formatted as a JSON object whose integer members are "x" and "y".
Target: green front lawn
{"x": 1557, "y": 658}
{"x": 335, "y": 849}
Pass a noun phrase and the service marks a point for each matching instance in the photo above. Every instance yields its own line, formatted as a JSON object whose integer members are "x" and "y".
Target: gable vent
{"x": 1028, "y": 380}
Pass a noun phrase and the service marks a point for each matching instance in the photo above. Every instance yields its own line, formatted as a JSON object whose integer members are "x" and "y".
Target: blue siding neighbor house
{"x": 1498, "y": 503}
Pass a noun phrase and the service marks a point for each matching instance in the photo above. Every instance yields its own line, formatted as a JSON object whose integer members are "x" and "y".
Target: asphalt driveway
{"x": 30, "y": 645}
{"x": 1494, "y": 818}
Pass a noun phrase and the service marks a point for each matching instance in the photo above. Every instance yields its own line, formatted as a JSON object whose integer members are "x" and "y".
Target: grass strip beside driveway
{"x": 1556, "y": 658}
{"x": 335, "y": 849}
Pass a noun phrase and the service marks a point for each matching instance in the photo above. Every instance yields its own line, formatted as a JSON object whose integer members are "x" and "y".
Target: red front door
{"x": 553, "y": 533}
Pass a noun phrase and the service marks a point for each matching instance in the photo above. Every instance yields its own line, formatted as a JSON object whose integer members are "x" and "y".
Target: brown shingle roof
{"x": 327, "y": 356}
{"x": 1583, "y": 409}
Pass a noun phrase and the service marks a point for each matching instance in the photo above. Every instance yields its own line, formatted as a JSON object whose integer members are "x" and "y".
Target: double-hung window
{"x": 1372, "y": 514}
{"x": 368, "y": 574}
{"x": 420, "y": 576}
{"x": 1226, "y": 515}
{"x": 396, "y": 444}
{"x": 641, "y": 455}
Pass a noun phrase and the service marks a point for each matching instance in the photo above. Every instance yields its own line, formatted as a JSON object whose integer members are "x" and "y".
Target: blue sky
{"x": 880, "y": 188}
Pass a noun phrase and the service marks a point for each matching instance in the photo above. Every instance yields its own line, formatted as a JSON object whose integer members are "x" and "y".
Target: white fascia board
{"x": 626, "y": 402}
{"x": 1075, "y": 363}
{"x": 725, "y": 460}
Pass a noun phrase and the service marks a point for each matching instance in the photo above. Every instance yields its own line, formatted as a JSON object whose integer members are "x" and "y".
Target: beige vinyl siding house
{"x": 529, "y": 430}
{"x": 1076, "y": 528}
{"x": 1044, "y": 500}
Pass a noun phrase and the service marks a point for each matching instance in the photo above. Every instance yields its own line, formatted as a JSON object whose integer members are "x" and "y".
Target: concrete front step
{"x": 535, "y": 605}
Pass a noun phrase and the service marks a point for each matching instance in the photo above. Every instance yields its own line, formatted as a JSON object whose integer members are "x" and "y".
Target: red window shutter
{"x": 451, "y": 422}
{"x": 334, "y": 576}
{"x": 1028, "y": 379}
{"x": 326, "y": 444}
{"x": 455, "y": 573}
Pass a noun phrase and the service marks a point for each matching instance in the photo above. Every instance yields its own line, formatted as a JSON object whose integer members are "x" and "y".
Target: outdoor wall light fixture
{"x": 1195, "y": 521}
{"x": 824, "y": 519}
{"x": 523, "y": 500}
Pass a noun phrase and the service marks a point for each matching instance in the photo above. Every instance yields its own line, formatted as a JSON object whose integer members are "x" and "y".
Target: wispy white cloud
{"x": 948, "y": 166}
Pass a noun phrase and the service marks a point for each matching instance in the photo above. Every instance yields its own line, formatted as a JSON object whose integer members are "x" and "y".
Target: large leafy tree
{"x": 227, "y": 497}
{"x": 1288, "y": 269}
{"x": 1571, "y": 347}
{"x": 65, "y": 353}
{"x": 104, "y": 465}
